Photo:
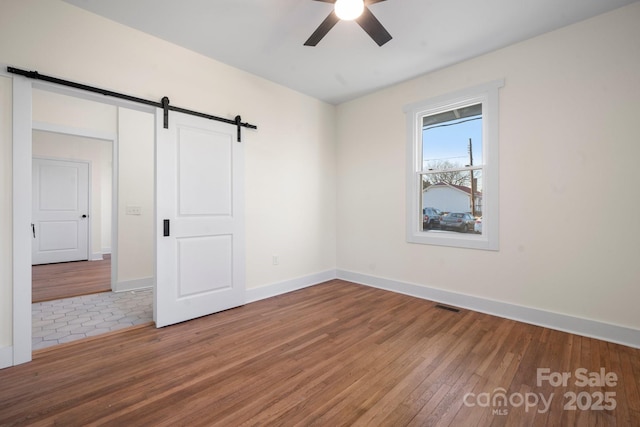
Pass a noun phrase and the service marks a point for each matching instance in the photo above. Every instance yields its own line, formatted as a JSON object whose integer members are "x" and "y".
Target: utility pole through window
{"x": 473, "y": 180}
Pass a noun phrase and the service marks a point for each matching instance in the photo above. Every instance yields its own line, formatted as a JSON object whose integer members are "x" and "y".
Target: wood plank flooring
{"x": 70, "y": 279}
{"x": 335, "y": 354}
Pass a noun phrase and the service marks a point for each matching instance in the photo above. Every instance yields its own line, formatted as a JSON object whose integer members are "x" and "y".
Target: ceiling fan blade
{"x": 373, "y": 27}
{"x": 322, "y": 29}
{"x": 366, "y": 2}
{"x": 333, "y": 1}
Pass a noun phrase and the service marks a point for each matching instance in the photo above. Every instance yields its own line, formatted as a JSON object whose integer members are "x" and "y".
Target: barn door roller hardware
{"x": 164, "y": 104}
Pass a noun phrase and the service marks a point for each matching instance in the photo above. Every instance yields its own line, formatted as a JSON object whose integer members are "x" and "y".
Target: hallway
{"x": 70, "y": 319}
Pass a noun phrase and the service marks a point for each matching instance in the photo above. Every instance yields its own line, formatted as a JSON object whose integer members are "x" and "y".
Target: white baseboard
{"x": 96, "y": 256}
{"x": 134, "y": 284}
{"x": 6, "y": 357}
{"x": 274, "y": 289}
{"x": 562, "y": 322}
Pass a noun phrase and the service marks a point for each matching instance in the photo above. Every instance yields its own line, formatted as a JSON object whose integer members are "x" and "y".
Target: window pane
{"x": 452, "y": 139}
{"x": 464, "y": 201}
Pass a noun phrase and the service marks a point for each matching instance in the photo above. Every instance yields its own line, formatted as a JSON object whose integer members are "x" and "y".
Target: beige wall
{"x": 289, "y": 160}
{"x": 569, "y": 145}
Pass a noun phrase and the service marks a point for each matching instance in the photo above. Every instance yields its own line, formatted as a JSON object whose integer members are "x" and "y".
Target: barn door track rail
{"x": 164, "y": 103}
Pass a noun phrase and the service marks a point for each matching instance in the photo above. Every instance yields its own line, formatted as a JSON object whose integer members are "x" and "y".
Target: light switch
{"x": 133, "y": 210}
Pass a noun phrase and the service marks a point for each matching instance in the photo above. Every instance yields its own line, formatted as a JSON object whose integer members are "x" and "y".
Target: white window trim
{"x": 488, "y": 95}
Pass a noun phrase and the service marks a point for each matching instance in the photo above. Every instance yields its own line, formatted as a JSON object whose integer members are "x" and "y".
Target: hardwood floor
{"x": 329, "y": 355}
{"x": 70, "y": 279}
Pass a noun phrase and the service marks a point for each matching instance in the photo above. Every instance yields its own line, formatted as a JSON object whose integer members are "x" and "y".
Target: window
{"x": 452, "y": 179}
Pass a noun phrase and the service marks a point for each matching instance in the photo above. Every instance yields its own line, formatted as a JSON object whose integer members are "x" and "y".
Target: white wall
{"x": 106, "y": 196}
{"x": 78, "y": 113}
{"x": 290, "y": 159}
{"x": 135, "y": 188}
{"x": 569, "y": 145}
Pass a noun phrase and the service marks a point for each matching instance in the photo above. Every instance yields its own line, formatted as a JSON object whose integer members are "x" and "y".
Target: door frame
{"x": 22, "y": 123}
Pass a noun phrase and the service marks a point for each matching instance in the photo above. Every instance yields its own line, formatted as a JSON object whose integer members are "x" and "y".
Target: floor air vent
{"x": 445, "y": 307}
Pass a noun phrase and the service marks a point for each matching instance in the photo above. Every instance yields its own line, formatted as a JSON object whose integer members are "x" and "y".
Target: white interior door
{"x": 199, "y": 196}
{"x": 60, "y": 223}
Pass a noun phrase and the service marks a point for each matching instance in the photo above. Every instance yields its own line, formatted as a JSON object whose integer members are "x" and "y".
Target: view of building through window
{"x": 451, "y": 175}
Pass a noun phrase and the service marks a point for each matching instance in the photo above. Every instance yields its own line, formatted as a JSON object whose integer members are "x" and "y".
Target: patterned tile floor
{"x": 70, "y": 319}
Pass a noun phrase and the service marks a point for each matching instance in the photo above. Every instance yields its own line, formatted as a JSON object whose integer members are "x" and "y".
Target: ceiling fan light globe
{"x": 348, "y": 10}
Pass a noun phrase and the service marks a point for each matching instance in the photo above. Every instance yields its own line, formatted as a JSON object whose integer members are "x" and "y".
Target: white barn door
{"x": 200, "y": 218}
{"x": 60, "y": 211}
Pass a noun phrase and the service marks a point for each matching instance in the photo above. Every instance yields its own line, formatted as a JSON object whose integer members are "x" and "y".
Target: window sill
{"x": 452, "y": 239}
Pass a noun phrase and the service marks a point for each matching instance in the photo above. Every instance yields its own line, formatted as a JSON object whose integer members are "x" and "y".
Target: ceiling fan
{"x": 349, "y": 10}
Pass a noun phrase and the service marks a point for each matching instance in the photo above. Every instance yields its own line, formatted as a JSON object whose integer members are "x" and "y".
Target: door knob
{"x": 83, "y": 216}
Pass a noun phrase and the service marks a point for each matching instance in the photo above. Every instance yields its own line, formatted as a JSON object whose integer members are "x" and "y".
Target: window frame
{"x": 488, "y": 95}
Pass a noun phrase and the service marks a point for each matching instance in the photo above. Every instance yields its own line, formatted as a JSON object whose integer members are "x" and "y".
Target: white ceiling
{"x": 265, "y": 37}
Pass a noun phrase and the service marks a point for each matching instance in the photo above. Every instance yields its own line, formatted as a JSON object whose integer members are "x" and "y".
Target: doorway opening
{"x": 78, "y": 293}
{"x": 190, "y": 275}
{"x": 71, "y": 215}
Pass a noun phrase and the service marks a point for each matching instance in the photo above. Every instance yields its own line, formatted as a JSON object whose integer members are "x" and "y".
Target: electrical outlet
{"x": 275, "y": 259}
{"x": 133, "y": 210}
